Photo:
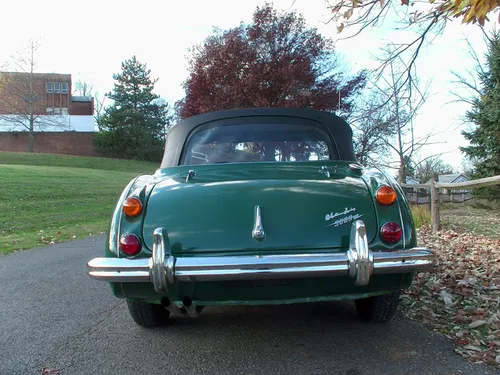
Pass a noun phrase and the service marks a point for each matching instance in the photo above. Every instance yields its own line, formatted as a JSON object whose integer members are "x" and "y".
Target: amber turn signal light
{"x": 385, "y": 195}
{"x": 132, "y": 206}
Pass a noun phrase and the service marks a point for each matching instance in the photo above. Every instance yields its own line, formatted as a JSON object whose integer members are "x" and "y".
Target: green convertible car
{"x": 260, "y": 206}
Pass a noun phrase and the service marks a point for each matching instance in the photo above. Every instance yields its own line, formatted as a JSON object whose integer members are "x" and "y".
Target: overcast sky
{"x": 90, "y": 39}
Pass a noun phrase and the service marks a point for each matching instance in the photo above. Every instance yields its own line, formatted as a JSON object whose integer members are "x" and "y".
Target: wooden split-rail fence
{"x": 434, "y": 188}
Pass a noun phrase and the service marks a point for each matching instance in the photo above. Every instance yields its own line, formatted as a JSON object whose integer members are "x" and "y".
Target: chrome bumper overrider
{"x": 359, "y": 262}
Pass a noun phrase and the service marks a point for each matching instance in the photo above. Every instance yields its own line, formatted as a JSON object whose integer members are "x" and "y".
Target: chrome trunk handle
{"x": 258, "y": 229}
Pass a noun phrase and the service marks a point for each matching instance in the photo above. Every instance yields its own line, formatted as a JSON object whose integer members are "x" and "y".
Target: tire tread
{"x": 378, "y": 309}
{"x": 146, "y": 314}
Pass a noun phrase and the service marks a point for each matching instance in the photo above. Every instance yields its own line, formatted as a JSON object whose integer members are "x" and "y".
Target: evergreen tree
{"x": 484, "y": 138}
{"x": 134, "y": 126}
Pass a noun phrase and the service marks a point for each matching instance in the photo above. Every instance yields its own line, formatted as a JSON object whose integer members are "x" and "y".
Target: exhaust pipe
{"x": 190, "y": 308}
{"x": 172, "y": 307}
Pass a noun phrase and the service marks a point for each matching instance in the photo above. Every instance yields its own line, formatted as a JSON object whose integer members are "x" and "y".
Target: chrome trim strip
{"x": 401, "y": 221}
{"x": 265, "y": 267}
{"x": 124, "y": 276}
{"x": 118, "y": 264}
{"x": 119, "y": 269}
{"x": 357, "y": 263}
{"x": 116, "y": 221}
{"x": 258, "y": 229}
{"x": 411, "y": 260}
{"x": 394, "y": 184}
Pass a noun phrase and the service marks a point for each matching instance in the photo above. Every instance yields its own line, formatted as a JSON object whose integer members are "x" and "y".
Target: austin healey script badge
{"x": 348, "y": 215}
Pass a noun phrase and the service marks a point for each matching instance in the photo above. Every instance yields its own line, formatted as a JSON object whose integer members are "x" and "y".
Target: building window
{"x": 57, "y": 87}
{"x": 49, "y": 87}
{"x": 57, "y": 111}
{"x": 64, "y": 87}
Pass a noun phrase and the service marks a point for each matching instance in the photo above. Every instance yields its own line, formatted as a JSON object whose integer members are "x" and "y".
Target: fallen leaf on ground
{"x": 460, "y": 297}
{"x": 50, "y": 371}
{"x": 477, "y": 323}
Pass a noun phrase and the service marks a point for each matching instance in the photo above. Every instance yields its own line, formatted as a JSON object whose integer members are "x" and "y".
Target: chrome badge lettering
{"x": 347, "y": 216}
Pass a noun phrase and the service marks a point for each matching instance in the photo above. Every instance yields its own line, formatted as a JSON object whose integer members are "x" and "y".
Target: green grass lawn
{"x": 20, "y": 158}
{"x": 485, "y": 222}
{"x": 462, "y": 218}
{"x": 43, "y": 204}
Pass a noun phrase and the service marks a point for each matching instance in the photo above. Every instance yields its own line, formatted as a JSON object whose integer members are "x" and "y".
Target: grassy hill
{"x": 54, "y": 198}
{"x": 20, "y": 158}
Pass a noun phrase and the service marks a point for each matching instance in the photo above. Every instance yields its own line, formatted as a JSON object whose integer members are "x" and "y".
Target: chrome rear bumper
{"x": 359, "y": 262}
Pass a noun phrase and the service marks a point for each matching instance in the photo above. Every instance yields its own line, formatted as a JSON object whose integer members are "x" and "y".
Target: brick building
{"x": 49, "y": 97}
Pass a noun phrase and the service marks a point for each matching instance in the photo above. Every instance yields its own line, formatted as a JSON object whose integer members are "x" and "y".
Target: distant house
{"x": 422, "y": 195}
{"x": 412, "y": 181}
{"x": 415, "y": 195}
{"x": 452, "y": 179}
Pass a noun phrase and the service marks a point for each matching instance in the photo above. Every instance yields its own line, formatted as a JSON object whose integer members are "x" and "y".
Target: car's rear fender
{"x": 139, "y": 187}
{"x": 400, "y": 210}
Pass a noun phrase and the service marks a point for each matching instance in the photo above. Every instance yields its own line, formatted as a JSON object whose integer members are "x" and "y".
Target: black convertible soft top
{"x": 337, "y": 127}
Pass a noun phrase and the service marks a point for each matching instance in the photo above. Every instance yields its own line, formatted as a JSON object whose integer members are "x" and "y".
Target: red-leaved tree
{"x": 275, "y": 61}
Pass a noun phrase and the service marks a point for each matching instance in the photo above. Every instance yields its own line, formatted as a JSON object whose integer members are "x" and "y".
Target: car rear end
{"x": 260, "y": 212}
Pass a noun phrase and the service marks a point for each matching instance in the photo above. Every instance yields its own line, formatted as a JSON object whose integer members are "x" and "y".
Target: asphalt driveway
{"x": 52, "y": 315}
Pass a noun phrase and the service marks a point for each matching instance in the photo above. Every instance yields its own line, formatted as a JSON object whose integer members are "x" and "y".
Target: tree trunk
{"x": 31, "y": 137}
{"x": 401, "y": 170}
{"x": 31, "y": 141}
{"x": 401, "y": 174}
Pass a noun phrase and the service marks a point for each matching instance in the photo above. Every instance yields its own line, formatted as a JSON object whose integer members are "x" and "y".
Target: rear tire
{"x": 378, "y": 309}
{"x": 147, "y": 314}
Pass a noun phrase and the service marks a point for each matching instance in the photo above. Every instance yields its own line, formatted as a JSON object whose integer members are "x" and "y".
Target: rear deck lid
{"x": 303, "y": 206}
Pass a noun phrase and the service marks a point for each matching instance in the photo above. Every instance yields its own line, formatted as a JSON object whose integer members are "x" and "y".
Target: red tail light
{"x": 130, "y": 244}
{"x": 391, "y": 232}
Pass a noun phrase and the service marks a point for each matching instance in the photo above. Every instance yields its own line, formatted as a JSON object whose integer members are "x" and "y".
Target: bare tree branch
{"x": 83, "y": 88}
{"x": 400, "y": 108}
{"x": 22, "y": 105}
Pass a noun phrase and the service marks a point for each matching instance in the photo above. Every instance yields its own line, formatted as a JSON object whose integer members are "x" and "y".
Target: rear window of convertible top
{"x": 258, "y": 143}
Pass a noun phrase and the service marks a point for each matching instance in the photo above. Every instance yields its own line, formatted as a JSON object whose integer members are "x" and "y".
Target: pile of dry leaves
{"x": 461, "y": 296}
